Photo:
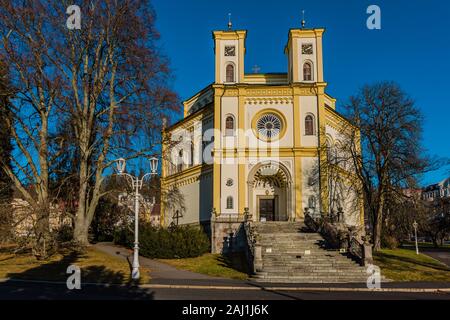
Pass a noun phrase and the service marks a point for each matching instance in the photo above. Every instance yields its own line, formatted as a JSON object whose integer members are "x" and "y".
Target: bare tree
{"x": 90, "y": 95}
{"x": 37, "y": 89}
{"x": 386, "y": 149}
{"x": 116, "y": 93}
{"x": 6, "y": 192}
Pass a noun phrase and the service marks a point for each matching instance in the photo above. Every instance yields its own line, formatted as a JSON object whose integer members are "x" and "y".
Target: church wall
{"x": 194, "y": 201}
{"x": 351, "y": 207}
{"x": 332, "y": 132}
{"x": 350, "y": 201}
{"x": 191, "y": 194}
{"x": 229, "y": 106}
{"x": 229, "y": 168}
{"x": 197, "y": 140}
{"x": 310, "y": 183}
{"x": 308, "y": 105}
{"x": 229, "y": 171}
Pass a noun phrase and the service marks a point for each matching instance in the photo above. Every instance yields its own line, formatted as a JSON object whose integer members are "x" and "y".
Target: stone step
{"x": 288, "y": 260}
{"x": 309, "y": 276}
{"x": 310, "y": 265}
{"x": 309, "y": 280}
{"x": 301, "y": 255}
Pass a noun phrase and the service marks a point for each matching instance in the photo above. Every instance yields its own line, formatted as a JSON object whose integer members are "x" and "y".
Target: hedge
{"x": 166, "y": 243}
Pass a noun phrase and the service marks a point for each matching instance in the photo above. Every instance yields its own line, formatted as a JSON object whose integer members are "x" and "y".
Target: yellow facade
{"x": 245, "y": 99}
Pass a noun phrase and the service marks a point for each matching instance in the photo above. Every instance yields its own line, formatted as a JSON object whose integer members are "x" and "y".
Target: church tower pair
{"x": 303, "y": 51}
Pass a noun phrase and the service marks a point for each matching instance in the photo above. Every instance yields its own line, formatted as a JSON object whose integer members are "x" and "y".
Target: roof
{"x": 436, "y": 186}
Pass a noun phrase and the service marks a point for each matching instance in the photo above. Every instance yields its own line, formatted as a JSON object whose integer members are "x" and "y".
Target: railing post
{"x": 257, "y": 263}
{"x": 367, "y": 252}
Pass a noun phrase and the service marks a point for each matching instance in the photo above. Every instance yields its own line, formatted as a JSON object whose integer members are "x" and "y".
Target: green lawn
{"x": 406, "y": 265}
{"x": 96, "y": 267}
{"x": 213, "y": 265}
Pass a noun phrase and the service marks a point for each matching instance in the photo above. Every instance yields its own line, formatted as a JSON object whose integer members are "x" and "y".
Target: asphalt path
{"x": 11, "y": 290}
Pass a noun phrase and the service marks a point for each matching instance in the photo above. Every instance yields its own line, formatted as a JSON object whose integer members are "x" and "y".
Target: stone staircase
{"x": 290, "y": 254}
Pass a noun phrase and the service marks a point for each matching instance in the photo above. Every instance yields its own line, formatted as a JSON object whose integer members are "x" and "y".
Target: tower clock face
{"x": 230, "y": 51}
{"x": 307, "y": 48}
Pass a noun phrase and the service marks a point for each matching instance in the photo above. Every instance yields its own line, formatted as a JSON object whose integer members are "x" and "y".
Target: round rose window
{"x": 269, "y": 126}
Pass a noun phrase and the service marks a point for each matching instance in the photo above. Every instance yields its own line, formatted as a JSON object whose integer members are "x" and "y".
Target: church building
{"x": 253, "y": 145}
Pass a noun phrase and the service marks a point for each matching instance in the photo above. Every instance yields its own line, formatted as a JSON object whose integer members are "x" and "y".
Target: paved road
{"x": 441, "y": 255}
{"x": 162, "y": 273}
{"x": 21, "y": 291}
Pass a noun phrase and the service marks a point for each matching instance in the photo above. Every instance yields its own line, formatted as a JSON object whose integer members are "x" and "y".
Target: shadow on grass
{"x": 48, "y": 281}
{"x": 395, "y": 259}
{"x": 235, "y": 261}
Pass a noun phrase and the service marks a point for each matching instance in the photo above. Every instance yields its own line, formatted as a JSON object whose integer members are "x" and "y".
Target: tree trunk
{"x": 42, "y": 245}
{"x": 434, "y": 238}
{"x": 81, "y": 230}
{"x": 378, "y": 226}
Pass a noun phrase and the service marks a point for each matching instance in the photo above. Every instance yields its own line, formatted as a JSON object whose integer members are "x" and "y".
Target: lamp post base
{"x": 135, "y": 274}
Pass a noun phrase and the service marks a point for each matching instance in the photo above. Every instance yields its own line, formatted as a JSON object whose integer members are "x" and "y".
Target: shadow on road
{"x": 48, "y": 281}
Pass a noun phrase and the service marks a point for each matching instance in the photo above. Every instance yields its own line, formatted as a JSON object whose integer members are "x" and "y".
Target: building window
{"x": 269, "y": 126}
{"x": 230, "y": 73}
{"x": 180, "y": 161}
{"x": 230, "y": 203}
{"x": 229, "y": 126}
{"x": 192, "y": 154}
{"x": 309, "y": 125}
{"x": 329, "y": 151}
{"x": 307, "y": 71}
{"x": 312, "y": 202}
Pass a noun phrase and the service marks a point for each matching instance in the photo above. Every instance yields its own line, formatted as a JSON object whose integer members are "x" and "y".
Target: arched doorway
{"x": 270, "y": 192}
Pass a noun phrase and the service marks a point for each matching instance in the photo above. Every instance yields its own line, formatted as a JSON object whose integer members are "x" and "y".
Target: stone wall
{"x": 227, "y": 234}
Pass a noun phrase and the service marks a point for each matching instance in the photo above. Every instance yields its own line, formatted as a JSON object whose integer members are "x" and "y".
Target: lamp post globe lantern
{"x": 121, "y": 164}
{"x": 154, "y": 165}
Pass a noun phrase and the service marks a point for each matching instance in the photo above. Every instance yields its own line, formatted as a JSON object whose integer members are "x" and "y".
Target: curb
{"x": 323, "y": 289}
{"x": 242, "y": 288}
{"x": 62, "y": 283}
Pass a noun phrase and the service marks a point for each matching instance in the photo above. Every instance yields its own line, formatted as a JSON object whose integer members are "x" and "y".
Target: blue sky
{"x": 412, "y": 48}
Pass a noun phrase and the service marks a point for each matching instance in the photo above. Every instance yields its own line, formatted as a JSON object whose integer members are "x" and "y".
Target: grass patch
{"x": 214, "y": 265}
{"x": 406, "y": 265}
{"x": 96, "y": 267}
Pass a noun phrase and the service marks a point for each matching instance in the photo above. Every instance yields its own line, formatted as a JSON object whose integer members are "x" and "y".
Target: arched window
{"x": 312, "y": 202}
{"x": 192, "y": 153}
{"x": 230, "y": 203}
{"x": 180, "y": 161}
{"x": 309, "y": 125}
{"x": 230, "y": 73}
{"x": 229, "y": 126}
{"x": 307, "y": 71}
{"x": 329, "y": 149}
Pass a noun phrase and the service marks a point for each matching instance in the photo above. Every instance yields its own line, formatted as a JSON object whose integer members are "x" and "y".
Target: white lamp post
{"x": 415, "y": 224}
{"x": 137, "y": 186}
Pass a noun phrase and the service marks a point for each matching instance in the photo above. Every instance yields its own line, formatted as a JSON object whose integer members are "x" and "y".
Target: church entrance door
{"x": 267, "y": 209}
